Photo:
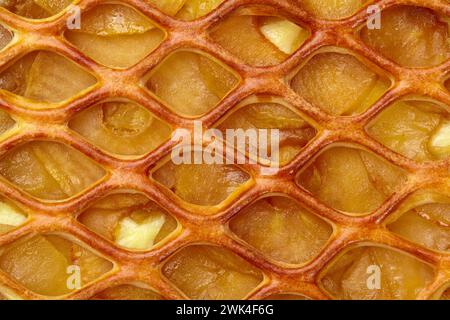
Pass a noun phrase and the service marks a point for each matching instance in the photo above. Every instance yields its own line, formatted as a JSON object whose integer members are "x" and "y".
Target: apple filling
{"x": 191, "y": 83}
{"x": 350, "y": 180}
{"x": 411, "y": 36}
{"x": 282, "y": 230}
{"x": 201, "y": 184}
{"x": 427, "y": 225}
{"x": 286, "y": 296}
{"x": 131, "y": 221}
{"x": 127, "y": 292}
{"x": 205, "y": 272}
{"x": 6, "y": 122}
{"x": 5, "y": 37}
{"x": 333, "y": 9}
{"x": 44, "y": 76}
{"x": 10, "y": 217}
{"x": 294, "y": 132}
{"x": 339, "y": 84}
{"x": 51, "y": 265}
{"x": 35, "y": 9}
{"x": 49, "y": 170}
{"x": 416, "y": 129}
{"x": 187, "y": 9}
{"x": 259, "y": 40}
{"x": 109, "y": 31}
{"x": 375, "y": 273}
{"x": 122, "y": 128}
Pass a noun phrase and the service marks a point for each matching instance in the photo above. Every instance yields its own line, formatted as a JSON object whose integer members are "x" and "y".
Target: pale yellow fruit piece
{"x": 106, "y": 215}
{"x": 53, "y": 6}
{"x": 440, "y": 141}
{"x": 53, "y": 78}
{"x": 114, "y": 19}
{"x": 339, "y": 84}
{"x": 5, "y": 37}
{"x": 49, "y": 170}
{"x": 14, "y": 78}
{"x": 183, "y": 83}
{"x": 402, "y": 277}
{"x": 194, "y": 9}
{"x": 282, "y": 230}
{"x": 206, "y": 272}
{"x": 6, "y": 122}
{"x": 350, "y": 180}
{"x": 139, "y": 235}
{"x": 127, "y": 292}
{"x": 121, "y": 128}
{"x": 407, "y": 127}
{"x": 410, "y": 36}
{"x": 10, "y": 215}
{"x": 241, "y": 35}
{"x": 333, "y": 9}
{"x": 284, "y": 34}
{"x": 36, "y": 264}
{"x": 424, "y": 225}
{"x": 201, "y": 184}
{"x": 294, "y": 132}
{"x": 170, "y": 7}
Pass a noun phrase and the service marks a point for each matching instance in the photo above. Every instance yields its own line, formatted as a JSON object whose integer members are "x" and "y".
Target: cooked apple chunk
{"x": 130, "y": 220}
{"x": 6, "y": 122}
{"x": 45, "y": 76}
{"x": 122, "y": 128}
{"x": 5, "y": 37}
{"x": 375, "y": 273}
{"x": 259, "y": 40}
{"x": 127, "y": 292}
{"x": 191, "y": 83}
{"x": 42, "y": 264}
{"x": 109, "y": 31}
{"x": 351, "y": 180}
{"x": 411, "y": 36}
{"x": 428, "y": 225}
{"x": 205, "y": 272}
{"x": 418, "y": 130}
{"x": 10, "y": 217}
{"x": 339, "y": 84}
{"x": 294, "y": 132}
{"x": 35, "y": 9}
{"x": 333, "y": 9}
{"x": 282, "y": 229}
{"x": 201, "y": 184}
{"x": 49, "y": 170}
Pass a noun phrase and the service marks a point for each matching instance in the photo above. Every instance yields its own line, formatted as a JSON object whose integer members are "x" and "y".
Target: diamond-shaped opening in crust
{"x": 350, "y": 179}
{"x": 35, "y": 9}
{"x": 204, "y": 272}
{"x": 49, "y": 170}
{"x": 121, "y": 128}
{"x": 282, "y": 230}
{"x": 191, "y": 83}
{"x": 257, "y": 38}
{"x": 419, "y": 130}
{"x": 187, "y": 10}
{"x": 201, "y": 184}
{"x": 294, "y": 131}
{"x": 11, "y": 216}
{"x": 130, "y": 220}
{"x": 44, "y": 76}
{"x": 127, "y": 292}
{"x": 332, "y": 9}
{"x": 410, "y": 36}
{"x": 339, "y": 83}
{"x": 287, "y": 296}
{"x": 51, "y": 265}
{"x": 5, "y": 37}
{"x": 109, "y": 31}
{"x": 376, "y": 273}
{"x": 426, "y": 224}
